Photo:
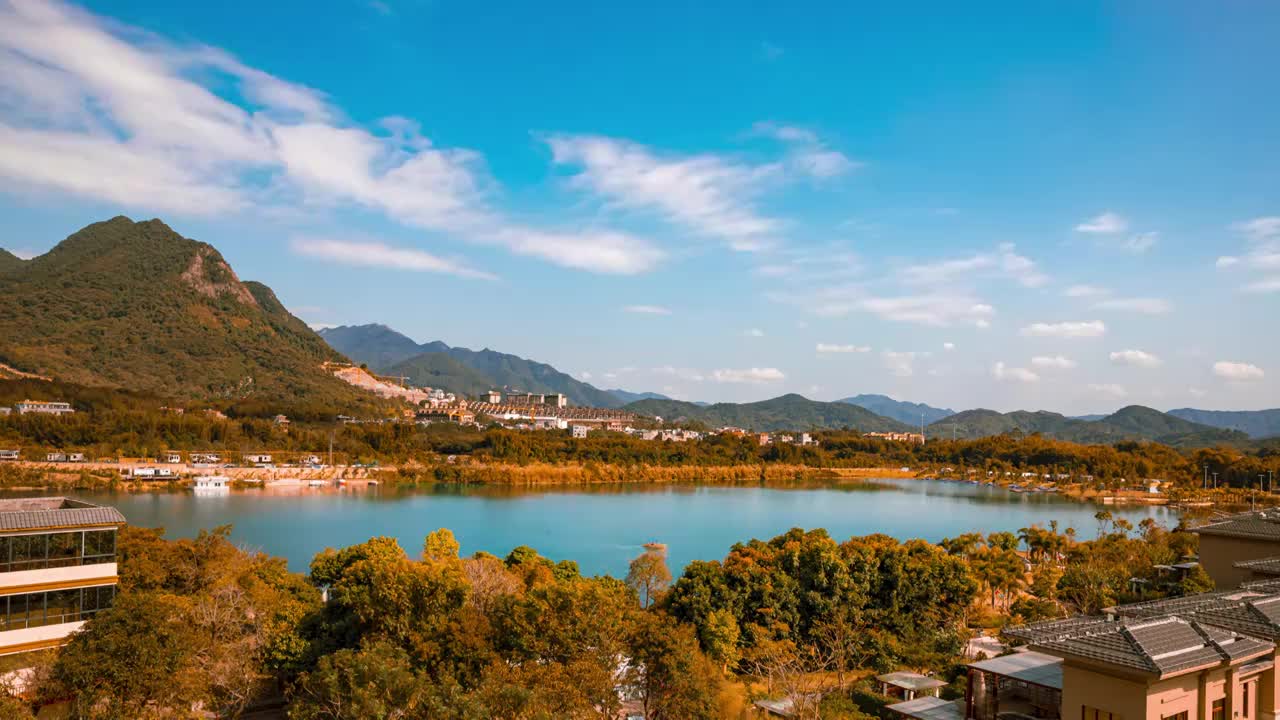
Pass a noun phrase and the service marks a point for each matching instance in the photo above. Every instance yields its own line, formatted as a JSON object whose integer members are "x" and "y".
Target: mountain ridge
{"x": 900, "y": 410}
{"x": 785, "y": 412}
{"x": 1256, "y": 423}
{"x": 1134, "y": 422}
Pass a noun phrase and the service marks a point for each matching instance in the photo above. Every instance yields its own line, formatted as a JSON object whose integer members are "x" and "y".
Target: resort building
{"x": 1237, "y": 549}
{"x": 916, "y": 438}
{"x": 57, "y": 569}
{"x": 1201, "y": 657}
{"x": 10, "y": 455}
{"x": 43, "y": 407}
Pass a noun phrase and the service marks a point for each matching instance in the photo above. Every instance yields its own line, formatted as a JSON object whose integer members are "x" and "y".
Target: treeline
{"x": 201, "y": 625}
{"x": 112, "y": 423}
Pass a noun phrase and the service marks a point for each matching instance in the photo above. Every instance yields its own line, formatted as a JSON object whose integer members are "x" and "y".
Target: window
{"x": 51, "y": 550}
{"x": 99, "y": 546}
{"x": 1244, "y": 697}
{"x": 54, "y": 607}
{"x": 1179, "y": 716}
{"x": 1093, "y": 713}
{"x": 64, "y": 549}
{"x": 1219, "y": 709}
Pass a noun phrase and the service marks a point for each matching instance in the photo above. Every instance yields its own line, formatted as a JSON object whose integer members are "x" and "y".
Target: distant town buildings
{"x": 916, "y": 438}
{"x": 44, "y": 407}
{"x": 257, "y": 459}
{"x": 10, "y": 456}
{"x": 62, "y": 457}
{"x": 578, "y": 430}
{"x": 57, "y": 569}
{"x": 448, "y": 414}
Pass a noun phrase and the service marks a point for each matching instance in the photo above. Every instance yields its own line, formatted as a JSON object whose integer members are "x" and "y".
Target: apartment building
{"x": 57, "y": 569}
{"x": 44, "y": 407}
{"x": 1202, "y": 657}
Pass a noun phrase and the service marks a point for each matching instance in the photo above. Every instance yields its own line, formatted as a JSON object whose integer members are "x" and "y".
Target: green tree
{"x": 375, "y": 682}
{"x": 671, "y": 676}
{"x": 719, "y": 636}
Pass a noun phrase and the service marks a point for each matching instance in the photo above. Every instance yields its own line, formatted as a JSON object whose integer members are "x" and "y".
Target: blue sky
{"x": 1068, "y": 206}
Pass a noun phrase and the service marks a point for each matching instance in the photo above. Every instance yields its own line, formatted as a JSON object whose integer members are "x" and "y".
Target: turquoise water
{"x": 603, "y": 527}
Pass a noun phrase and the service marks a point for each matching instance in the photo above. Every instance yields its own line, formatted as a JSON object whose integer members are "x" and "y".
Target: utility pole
{"x": 331, "y": 448}
{"x": 1205, "y": 485}
{"x": 1215, "y": 481}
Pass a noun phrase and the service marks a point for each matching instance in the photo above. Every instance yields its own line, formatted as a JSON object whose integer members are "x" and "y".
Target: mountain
{"x": 1130, "y": 423}
{"x": 787, "y": 412}
{"x": 900, "y": 410}
{"x": 9, "y": 261}
{"x": 389, "y": 352}
{"x": 630, "y": 397}
{"x": 1255, "y": 423}
{"x": 135, "y": 305}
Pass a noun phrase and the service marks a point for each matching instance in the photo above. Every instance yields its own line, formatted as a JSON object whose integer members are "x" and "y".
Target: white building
{"x": 57, "y": 569}
{"x": 44, "y": 407}
{"x": 257, "y": 459}
{"x": 205, "y": 458}
{"x": 579, "y": 431}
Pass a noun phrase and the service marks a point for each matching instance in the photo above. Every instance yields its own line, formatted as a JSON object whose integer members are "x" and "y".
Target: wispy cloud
{"x": 828, "y": 348}
{"x": 1000, "y": 371}
{"x": 1140, "y": 243}
{"x": 1110, "y": 389}
{"x": 708, "y": 194}
{"x": 1262, "y": 256}
{"x": 808, "y": 154}
{"x": 900, "y": 363}
{"x": 1108, "y": 223}
{"x": 748, "y": 375}
{"x": 111, "y": 113}
{"x": 1003, "y": 263}
{"x": 1237, "y": 371}
{"x": 1085, "y": 291}
{"x": 754, "y": 332}
{"x": 1143, "y": 305}
{"x": 647, "y": 310}
{"x": 1053, "y": 362}
{"x": 1136, "y": 358}
{"x": 368, "y": 253}
{"x": 1079, "y": 329}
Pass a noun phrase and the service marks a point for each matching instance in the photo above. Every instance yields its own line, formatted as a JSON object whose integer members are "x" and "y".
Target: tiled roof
{"x": 1259, "y": 525}
{"x": 1032, "y": 667}
{"x": 1266, "y": 566}
{"x": 911, "y": 680}
{"x": 54, "y": 512}
{"x": 1213, "y": 633}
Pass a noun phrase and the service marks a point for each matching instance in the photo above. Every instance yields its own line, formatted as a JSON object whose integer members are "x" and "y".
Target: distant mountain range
{"x": 904, "y": 412}
{"x": 457, "y": 369}
{"x": 135, "y": 305}
{"x": 1256, "y": 423}
{"x": 630, "y": 397}
{"x": 1130, "y": 423}
{"x": 788, "y": 412}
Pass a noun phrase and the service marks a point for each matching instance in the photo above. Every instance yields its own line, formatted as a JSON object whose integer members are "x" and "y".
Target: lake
{"x": 603, "y": 527}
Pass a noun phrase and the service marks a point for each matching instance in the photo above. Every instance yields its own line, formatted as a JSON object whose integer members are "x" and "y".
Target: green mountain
{"x": 630, "y": 397}
{"x": 1130, "y": 423}
{"x": 389, "y": 352}
{"x": 1255, "y": 423}
{"x": 900, "y": 410}
{"x": 440, "y": 370}
{"x": 787, "y": 412}
{"x": 136, "y": 305}
{"x": 9, "y": 261}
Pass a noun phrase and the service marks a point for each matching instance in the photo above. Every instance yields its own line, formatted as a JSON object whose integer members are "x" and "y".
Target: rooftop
{"x": 1265, "y": 566}
{"x": 54, "y": 512}
{"x": 930, "y": 708}
{"x": 910, "y": 680}
{"x": 1257, "y": 525}
{"x": 1030, "y": 667}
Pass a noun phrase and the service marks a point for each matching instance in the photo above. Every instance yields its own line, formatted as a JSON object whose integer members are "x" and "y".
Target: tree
{"x": 648, "y": 575}
{"x": 719, "y": 636}
{"x": 440, "y": 546}
{"x": 129, "y": 662}
{"x": 671, "y": 676}
{"x": 374, "y": 682}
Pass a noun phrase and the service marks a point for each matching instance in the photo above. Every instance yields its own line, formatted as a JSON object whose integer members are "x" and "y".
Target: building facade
{"x": 1231, "y": 549}
{"x": 57, "y": 569}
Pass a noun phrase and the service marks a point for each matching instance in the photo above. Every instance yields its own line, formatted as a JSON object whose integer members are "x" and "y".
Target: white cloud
{"x": 747, "y": 375}
{"x": 1227, "y": 261}
{"x": 948, "y": 346}
{"x": 1003, "y": 263}
{"x": 1082, "y": 291}
{"x": 1238, "y": 371}
{"x": 938, "y": 310}
{"x": 834, "y": 348}
{"x": 1146, "y": 306}
{"x": 1000, "y": 371}
{"x": 1054, "y": 362}
{"x": 708, "y": 194}
{"x": 1089, "y": 329}
{"x": 1136, "y": 358}
{"x": 754, "y": 332}
{"x": 95, "y": 109}
{"x": 369, "y": 253}
{"x": 1140, "y": 243}
{"x": 900, "y": 364}
{"x": 1259, "y": 229}
{"x": 688, "y": 374}
{"x": 1265, "y": 286}
{"x": 1111, "y": 389}
{"x": 1107, "y": 223}
{"x": 809, "y": 154}
{"x": 584, "y": 375}
{"x": 647, "y": 310}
